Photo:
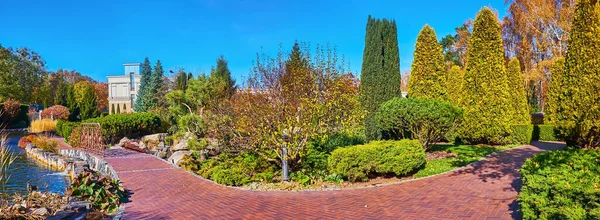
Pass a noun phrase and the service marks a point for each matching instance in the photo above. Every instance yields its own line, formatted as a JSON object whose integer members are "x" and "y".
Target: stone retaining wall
{"x": 94, "y": 162}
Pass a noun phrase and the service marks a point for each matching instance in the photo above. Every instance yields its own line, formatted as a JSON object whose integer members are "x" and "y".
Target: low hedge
{"x": 522, "y": 134}
{"x": 561, "y": 185}
{"x": 117, "y": 126}
{"x": 545, "y": 133}
{"x": 356, "y": 163}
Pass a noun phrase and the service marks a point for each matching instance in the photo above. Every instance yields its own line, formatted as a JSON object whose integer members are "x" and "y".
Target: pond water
{"x": 28, "y": 171}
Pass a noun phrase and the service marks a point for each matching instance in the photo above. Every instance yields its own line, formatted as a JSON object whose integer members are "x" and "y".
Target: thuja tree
{"x": 486, "y": 100}
{"x": 297, "y": 95}
{"x": 380, "y": 75}
{"x": 428, "y": 74}
{"x": 518, "y": 95}
{"x": 145, "y": 82}
{"x": 86, "y": 100}
{"x": 577, "y": 115}
{"x": 454, "y": 80}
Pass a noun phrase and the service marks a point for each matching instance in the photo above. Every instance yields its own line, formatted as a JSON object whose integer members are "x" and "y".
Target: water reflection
{"x": 26, "y": 170}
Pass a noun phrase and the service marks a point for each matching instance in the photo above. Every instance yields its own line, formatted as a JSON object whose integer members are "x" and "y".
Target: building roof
{"x": 132, "y": 64}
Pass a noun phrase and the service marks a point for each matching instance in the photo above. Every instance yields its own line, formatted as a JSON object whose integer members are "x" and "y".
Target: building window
{"x": 132, "y": 81}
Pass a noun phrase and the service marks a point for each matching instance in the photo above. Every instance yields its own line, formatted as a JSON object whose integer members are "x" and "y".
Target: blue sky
{"x": 96, "y": 36}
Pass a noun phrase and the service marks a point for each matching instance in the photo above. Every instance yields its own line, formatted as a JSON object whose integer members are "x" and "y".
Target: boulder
{"x": 152, "y": 142}
{"x": 177, "y": 156}
{"x": 182, "y": 144}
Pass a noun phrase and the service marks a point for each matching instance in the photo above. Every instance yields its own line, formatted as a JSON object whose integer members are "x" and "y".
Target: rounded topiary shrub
{"x": 426, "y": 120}
{"x": 356, "y": 163}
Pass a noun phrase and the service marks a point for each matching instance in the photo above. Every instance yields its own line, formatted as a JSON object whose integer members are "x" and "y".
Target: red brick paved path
{"x": 485, "y": 190}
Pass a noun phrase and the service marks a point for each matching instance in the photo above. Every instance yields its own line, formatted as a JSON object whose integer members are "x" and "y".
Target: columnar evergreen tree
{"x": 144, "y": 84}
{"x": 86, "y": 100}
{"x": 577, "y": 112}
{"x": 428, "y": 74}
{"x": 517, "y": 89}
{"x": 181, "y": 80}
{"x": 486, "y": 101}
{"x": 454, "y": 80}
{"x": 555, "y": 98}
{"x": 380, "y": 76}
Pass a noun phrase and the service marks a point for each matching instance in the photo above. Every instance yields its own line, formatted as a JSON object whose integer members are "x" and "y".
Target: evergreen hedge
{"x": 545, "y": 133}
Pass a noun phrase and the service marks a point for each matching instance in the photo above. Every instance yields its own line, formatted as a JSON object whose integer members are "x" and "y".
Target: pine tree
{"x": 428, "y": 74}
{"x": 488, "y": 113}
{"x": 576, "y": 105}
{"x": 222, "y": 72}
{"x": 517, "y": 89}
{"x": 149, "y": 99}
{"x": 454, "y": 80}
{"x": 144, "y": 84}
{"x": 380, "y": 76}
{"x": 72, "y": 103}
{"x": 181, "y": 80}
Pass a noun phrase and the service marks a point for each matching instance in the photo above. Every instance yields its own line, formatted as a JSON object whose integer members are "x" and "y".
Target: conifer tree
{"x": 380, "y": 76}
{"x": 577, "y": 105}
{"x": 152, "y": 87}
{"x": 86, "y": 100}
{"x": 222, "y": 72}
{"x": 486, "y": 101}
{"x": 517, "y": 89}
{"x": 428, "y": 74}
{"x": 144, "y": 84}
{"x": 454, "y": 82}
{"x": 118, "y": 109}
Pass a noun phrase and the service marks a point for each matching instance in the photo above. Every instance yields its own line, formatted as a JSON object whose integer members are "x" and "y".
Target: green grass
{"x": 466, "y": 154}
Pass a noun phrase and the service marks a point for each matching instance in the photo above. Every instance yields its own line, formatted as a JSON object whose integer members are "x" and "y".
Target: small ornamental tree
{"x": 577, "y": 112}
{"x": 428, "y": 74}
{"x": 56, "y": 112}
{"x": 517, "y": 88}
{"x": 380, "y": 76}
{"x": 10, "y": 109}
{"x": 454, "y": 80}
{"x": 486, "y": 101}
{"x": 555, "y": 93}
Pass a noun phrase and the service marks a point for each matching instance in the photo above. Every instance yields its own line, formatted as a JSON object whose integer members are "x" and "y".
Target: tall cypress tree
{"x": 486, "y": 101}
{"x": 144, "y": 84}
{"x": 517, "y": 88}
{"x": 380, "y": 76}
{"x": 577, "y": 105}
{"x": 428, "y": 74}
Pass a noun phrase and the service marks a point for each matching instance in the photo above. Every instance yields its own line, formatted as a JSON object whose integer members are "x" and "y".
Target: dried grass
{"x": 43, "y": 125}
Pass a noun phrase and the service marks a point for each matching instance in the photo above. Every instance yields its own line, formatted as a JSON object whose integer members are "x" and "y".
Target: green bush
{"x": 117, "y": 126}
{"x": 426, "y": 119}
{"x": 545, "y": 133}
{"x": 561, "y": 185}
{"x": 104, "y": 193}
{"x": 232, "y": 171}
{"x": 64, "y": 128}
{"x": 318, "y": 150}
{"x": 521, "y": 134}
{"x": 356, "y": 163}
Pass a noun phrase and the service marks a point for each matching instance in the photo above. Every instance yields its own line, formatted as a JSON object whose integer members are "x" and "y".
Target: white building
{"x": 123, "y": 89}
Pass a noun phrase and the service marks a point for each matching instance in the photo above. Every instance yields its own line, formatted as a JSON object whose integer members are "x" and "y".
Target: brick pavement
{"x": 485, "y": 190}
